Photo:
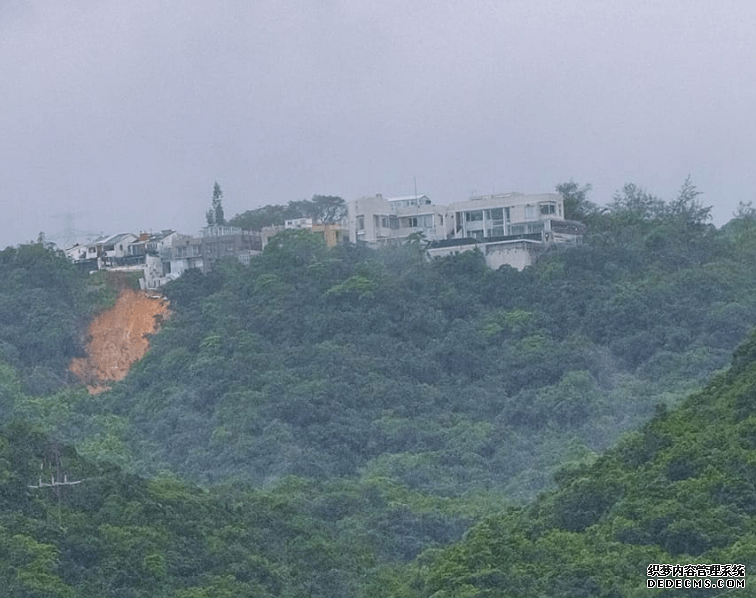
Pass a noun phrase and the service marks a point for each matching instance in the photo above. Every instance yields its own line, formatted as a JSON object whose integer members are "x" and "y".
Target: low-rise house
{"x": 333, "y": 232}
{"x": 227, "y": 241}
{"x": 114, "y": 251}
{"x": 184, "y": 252}
{"x": 509, "y": 228}
{"x": 76, "y": 252}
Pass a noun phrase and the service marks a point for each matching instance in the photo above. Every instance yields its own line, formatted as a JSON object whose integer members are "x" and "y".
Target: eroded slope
{"x": 117, "y": 338}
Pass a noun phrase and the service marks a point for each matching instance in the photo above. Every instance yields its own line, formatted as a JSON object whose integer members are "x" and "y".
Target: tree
{"x": 635, "y": 203}
{"x": 687, "y": 208}
{"x": 576, "y": 204}
{"x": 328, "y": 208}
{"x": 215, "y": 214}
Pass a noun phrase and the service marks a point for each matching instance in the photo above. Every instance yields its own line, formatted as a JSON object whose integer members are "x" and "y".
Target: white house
{"x": 76, "y": 253}
{"x": 498, "y": 224}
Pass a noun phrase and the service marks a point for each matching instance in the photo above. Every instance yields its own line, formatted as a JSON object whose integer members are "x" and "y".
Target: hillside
{"x": 45, "y": 307}
{"x": 115, "y": 534}
{"x": 444, "y": 376}
{"x": 678, "y": 491}
{"x": 389, "y": 400}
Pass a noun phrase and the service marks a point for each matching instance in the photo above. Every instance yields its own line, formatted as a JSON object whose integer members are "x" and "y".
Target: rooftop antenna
{"x": 414, "y": 178}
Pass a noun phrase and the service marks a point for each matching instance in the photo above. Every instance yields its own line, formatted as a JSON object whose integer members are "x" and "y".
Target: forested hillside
{"x": 678, "y": 491}
{"x": 114, "y": 534}
{"x": 388, "y": 401}
{"x": 443, "y": 376}
{"x": 45, "y": 305}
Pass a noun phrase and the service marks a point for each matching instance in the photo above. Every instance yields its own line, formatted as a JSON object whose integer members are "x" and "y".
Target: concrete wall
{"x": 517, "y": 254}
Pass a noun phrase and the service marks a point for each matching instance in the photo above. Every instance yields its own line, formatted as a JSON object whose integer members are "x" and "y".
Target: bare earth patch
{"x": 117, "y": 338}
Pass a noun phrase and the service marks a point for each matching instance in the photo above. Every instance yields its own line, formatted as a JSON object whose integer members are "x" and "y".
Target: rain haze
{"x": 119, "y": 116}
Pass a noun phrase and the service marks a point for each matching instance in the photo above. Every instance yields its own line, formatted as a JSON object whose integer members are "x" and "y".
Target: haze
{"x": 122, "y": 115}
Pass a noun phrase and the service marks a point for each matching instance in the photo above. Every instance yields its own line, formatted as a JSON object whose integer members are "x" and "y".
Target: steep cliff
{"x": 117, "y": 338}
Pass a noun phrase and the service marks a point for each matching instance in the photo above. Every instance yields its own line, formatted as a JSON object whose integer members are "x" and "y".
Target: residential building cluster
{"x": 164, "y": 256}
{"x": 508, "y": 228}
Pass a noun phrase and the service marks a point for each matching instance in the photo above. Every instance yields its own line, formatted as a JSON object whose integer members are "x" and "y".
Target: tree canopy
{"x": 215, "y": 215}
{"x": 325, "y": 209}
{"x": 350, "y": 412}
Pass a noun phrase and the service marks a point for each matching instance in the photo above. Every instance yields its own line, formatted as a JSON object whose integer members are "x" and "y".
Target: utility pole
{"x": 55, "y": 479}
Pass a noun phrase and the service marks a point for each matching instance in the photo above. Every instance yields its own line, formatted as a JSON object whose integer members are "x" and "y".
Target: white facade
{"x": 76, "y": 253}
{"x": 379, "y": 220}
{"x": 154, "y": 277}
{"x": 490, "y": 222}
{"x": 517, "y": 253}
{"x": 504, "y": 214}
{"x": 117, "y": 245}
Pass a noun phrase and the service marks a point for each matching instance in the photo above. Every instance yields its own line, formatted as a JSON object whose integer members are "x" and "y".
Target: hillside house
{"x": 509, "y": 228}
{"x": 227, "y": 241}
{"x": 152, "y": 243}
{"x": 333, "y": 232}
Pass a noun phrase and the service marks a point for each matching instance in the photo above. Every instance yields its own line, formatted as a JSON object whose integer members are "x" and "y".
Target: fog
{"x": 120, "y": 116}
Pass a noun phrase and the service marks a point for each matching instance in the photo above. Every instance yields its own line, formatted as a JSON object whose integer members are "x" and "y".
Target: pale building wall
{"x": 360, "y": 221}
{"x": 120, "y": 246}
{"x": 517, "y": 254}
{"x": 153, "y": 273}
{"x": 378, "y": 220}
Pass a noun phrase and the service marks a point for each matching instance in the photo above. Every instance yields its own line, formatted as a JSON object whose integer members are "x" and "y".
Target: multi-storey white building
{"x": 509, "y": 227}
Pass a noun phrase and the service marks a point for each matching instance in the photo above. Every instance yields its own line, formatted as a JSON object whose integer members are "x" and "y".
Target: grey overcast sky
{"x": 125, "y": 113}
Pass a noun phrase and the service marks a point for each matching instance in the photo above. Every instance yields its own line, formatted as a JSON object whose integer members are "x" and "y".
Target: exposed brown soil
{"x": 117, "y": 338}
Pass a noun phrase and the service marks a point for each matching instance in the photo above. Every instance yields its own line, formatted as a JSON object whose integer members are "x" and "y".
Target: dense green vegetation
{"x": 678, "y": 491}
{"x": 386, "y": 403}
{"x": 443, "y": 376}
{"x": 321, "y": 208}
{"x": 119, "y": 535}
{"x": 45, "y": 305}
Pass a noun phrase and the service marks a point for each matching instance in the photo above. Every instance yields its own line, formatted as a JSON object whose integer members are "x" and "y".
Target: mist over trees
{"x": 371, "y": 405}
{"x": 678, "y": 491}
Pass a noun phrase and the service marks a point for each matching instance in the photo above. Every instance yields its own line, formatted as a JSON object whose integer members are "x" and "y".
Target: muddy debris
{"x": 117, "y": 338}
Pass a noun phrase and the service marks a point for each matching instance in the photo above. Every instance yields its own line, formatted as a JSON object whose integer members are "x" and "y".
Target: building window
{"x": 393, "y": 223}
{"x": 529, "y": 212}
{"x": 412, "y": 220}
{"x": 475, "y": 216}
{"x": 506, "y": 214}
{"x": 384, "y": 222}
{"x": 427, "y": 221}
{"x": 495, "y": 214}
{"x": 547, "y": 208}
{"x": 360, "y": 223}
